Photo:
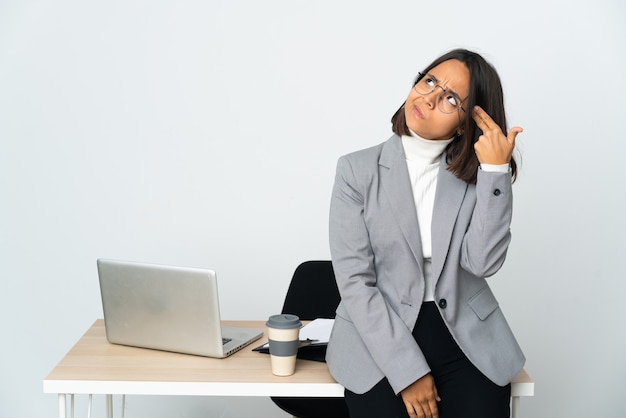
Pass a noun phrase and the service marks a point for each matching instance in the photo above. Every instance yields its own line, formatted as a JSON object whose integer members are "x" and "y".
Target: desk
{"x": 94, "y": 366}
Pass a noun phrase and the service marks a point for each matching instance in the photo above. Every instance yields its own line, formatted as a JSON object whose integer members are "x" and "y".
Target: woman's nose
{"x": 431, "y": 98}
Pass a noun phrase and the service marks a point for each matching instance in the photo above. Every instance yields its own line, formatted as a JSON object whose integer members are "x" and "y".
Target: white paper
{"x": 317, "y": 330}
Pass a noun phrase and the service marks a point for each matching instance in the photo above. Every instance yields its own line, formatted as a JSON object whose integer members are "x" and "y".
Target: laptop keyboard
{"x": 226, "y": 340}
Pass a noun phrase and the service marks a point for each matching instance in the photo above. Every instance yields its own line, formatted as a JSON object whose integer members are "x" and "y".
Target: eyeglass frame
{"x": 443, "y": 91}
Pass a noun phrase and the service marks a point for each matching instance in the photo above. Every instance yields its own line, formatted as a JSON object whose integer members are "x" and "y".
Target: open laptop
{"x": 166, "y": 308}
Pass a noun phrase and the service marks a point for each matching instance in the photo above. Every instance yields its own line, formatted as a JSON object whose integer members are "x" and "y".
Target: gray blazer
{"x": 377, "y": 257}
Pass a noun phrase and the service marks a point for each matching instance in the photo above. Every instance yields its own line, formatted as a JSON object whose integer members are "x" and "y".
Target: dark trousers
{"x": 464, "y": 391}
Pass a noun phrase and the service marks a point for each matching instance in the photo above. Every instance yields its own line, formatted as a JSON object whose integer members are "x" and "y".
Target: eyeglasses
{"x": 447, "y": 101}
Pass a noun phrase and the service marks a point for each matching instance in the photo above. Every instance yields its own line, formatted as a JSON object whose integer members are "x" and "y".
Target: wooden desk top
{"x": 96, "y": 366}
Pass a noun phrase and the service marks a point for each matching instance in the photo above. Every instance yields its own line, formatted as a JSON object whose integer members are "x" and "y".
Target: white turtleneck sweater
{"x": 422, "y": 159}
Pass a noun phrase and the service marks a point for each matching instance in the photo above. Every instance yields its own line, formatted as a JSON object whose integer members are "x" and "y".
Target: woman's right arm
{"x": 389, "y": 341}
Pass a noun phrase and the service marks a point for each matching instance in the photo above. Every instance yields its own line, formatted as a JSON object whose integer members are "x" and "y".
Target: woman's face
{"x": 421, "y": 111}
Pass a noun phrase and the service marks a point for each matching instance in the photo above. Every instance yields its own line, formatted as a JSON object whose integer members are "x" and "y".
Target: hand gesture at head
{"x": 493, "y": 147}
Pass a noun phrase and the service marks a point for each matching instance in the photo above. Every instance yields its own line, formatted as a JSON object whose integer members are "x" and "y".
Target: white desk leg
{"x": 62, "y": 405}
{"x": 515, "y": 406}
{"x": 109, "y": 406}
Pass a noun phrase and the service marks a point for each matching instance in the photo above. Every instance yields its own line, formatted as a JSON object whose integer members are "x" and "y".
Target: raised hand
{"x": 493, "y": 147}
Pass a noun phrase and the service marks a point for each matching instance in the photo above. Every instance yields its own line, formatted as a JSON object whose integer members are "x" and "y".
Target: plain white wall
{"x": 205, "y": 133}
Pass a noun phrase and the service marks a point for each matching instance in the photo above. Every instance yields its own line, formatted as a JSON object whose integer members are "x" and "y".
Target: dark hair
{"x": 485, "y": 90}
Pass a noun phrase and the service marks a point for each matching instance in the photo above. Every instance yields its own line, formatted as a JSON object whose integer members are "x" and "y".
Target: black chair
{"x": 312, "y": 294}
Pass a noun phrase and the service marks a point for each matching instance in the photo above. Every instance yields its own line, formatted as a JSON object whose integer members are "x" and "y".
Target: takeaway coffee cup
{"x": 283, "y": 332}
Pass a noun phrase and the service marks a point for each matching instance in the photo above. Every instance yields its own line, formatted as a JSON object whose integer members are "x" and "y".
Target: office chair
{"x": 312, "y": 294}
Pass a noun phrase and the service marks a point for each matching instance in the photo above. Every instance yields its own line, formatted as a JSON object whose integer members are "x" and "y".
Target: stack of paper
{"x": 317, "y": 332}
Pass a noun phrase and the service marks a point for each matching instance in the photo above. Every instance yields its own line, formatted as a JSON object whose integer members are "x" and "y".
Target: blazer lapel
{"x": 396, "y": 184}
{"x": 448, "y": 199}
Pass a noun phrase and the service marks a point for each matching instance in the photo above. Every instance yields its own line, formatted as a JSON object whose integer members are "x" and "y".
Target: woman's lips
{"x": 417, "y": 112}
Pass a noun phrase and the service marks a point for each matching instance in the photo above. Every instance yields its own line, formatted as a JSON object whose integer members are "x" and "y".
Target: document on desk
{"x": 315, "y": 333}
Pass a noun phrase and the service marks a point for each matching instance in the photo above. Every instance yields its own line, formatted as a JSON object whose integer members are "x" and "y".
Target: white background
{"x": 205, "y": 134}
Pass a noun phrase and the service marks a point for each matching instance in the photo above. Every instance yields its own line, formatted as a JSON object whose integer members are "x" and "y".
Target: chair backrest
{"x": 313, "y": 291}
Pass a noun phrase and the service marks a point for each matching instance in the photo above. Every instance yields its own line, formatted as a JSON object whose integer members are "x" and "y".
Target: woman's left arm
{"x": 487, "y": 239}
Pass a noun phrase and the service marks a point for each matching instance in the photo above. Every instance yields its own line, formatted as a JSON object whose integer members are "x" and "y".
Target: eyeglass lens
{"x": 447, "y": 102}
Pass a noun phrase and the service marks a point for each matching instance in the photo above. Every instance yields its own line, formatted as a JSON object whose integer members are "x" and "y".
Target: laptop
{"x": 166, "y": 308}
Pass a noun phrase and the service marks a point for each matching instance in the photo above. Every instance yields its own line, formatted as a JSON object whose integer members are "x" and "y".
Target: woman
{"x": 416, "y": 225}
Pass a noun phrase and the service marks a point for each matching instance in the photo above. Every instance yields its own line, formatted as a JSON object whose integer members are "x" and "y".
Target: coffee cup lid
{"x": 284, "y": 321}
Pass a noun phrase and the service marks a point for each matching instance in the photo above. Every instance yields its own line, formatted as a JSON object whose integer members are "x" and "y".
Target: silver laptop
{"x": 166, "y": 308}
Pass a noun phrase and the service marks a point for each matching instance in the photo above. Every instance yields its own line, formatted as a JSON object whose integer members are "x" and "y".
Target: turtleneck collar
{"x": 425, "y": 151}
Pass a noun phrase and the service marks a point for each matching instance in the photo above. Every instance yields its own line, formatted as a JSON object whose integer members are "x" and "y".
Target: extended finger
{"x": 482, "y": 118}
{"x": 513, "y": 132}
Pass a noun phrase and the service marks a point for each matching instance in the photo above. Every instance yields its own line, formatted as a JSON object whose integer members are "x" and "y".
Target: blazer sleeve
{"x": 388, "y": 339}
{"x": 487, "y": 239}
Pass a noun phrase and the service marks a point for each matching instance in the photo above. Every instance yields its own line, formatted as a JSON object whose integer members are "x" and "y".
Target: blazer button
{"x": 497, "y": 192}
{"x": 443, "y": 303}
